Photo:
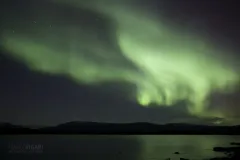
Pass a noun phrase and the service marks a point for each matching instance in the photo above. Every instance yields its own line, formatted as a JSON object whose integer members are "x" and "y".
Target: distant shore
{"x": 130, "y": 128}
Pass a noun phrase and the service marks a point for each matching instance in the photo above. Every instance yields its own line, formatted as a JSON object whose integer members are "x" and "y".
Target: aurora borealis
{"x": 166, "y": 62}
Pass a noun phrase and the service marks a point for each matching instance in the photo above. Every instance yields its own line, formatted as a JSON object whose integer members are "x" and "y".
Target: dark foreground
{"x": 232, "y": 153}
{"x": 119, "y": 147}
{"x": 116, "y": 144}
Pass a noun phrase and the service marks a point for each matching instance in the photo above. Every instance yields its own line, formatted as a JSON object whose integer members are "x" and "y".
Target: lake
{"x": 112, "y": 147}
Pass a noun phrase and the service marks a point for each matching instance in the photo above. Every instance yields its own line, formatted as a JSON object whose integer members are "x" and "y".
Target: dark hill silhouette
{"x": 9, "y": 128}
{"x": 121, "y": 128}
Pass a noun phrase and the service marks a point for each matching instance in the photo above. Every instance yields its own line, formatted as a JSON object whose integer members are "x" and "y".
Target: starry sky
{"x": 159, "y": 61}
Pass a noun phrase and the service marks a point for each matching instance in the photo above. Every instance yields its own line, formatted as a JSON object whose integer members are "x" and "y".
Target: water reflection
{"x": 195, "y": 147}
{"x": 113, "y": 147}
{"x": 71, "y": 147}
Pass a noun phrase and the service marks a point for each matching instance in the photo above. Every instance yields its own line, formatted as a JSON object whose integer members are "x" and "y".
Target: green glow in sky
{"x": 171, "y": 65}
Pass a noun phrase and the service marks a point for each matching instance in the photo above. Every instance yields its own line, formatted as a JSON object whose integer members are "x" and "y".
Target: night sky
{"x": 160, "y": 61}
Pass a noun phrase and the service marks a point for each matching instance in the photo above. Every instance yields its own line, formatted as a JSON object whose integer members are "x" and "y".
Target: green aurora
{"x": 168, "y": 64}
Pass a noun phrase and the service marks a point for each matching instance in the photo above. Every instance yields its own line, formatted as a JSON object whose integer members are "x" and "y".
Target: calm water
{"x": 111, "y": 147}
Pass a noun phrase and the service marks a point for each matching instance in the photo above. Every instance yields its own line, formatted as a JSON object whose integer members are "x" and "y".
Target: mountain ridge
{"x": 79, "y": 127}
